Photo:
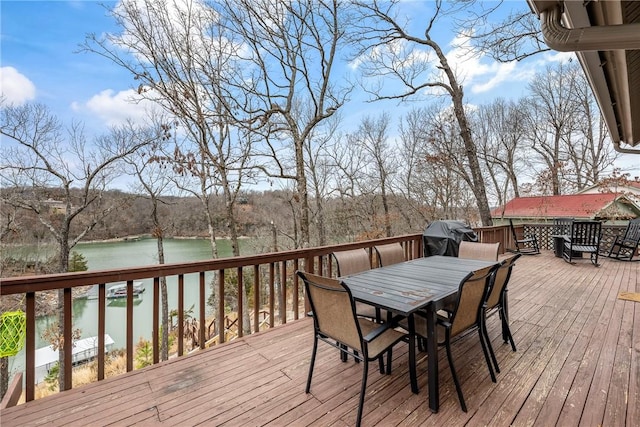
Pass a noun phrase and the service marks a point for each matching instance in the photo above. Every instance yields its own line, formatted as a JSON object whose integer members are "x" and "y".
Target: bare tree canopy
{"x": 515, "y": 37}
{"x": 388, "y": 49}
{"x": 44, "y": 163}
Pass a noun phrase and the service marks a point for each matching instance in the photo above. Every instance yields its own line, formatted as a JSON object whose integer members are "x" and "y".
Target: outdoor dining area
{"x": 562, "y": 349}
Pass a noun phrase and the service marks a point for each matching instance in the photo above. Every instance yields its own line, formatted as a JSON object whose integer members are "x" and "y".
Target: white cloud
{"x": 16, "y": 88}
{"x": 481, "y": 73}
{"x": 503, "y": 73}
{"x": 116, "y": 108}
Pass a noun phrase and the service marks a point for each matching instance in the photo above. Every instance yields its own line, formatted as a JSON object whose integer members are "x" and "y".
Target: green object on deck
{"x": 12, "y": 332}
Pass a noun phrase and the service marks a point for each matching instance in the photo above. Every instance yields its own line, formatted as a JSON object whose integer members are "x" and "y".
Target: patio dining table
{"x": 423, "y": 284}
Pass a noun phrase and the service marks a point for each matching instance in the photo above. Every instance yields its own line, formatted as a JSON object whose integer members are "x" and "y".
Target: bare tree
{"x": 152, "y": 183}
{"x": 291, "y": 50}
{"x": 552, "y": 119}
{"x": 389, "y": 50}
{"x": 372, "y": 138}
{"x": 446, "y": 166}
{"x": 500, "y": 131}
{"x": 61, "y": 176}
{"x": 186, "y": 61}
{"x": 513, "y": 38}
{"x": 589, "y": 153}
{"x": 348, "y": 165}
{"x": 318, "y": 147}
{"x": 415, "y": 182}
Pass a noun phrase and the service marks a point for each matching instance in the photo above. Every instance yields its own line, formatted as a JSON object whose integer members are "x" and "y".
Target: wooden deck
{"x": 578, "y": 363}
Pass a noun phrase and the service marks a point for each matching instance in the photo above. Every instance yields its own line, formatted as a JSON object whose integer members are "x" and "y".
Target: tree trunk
{"x": 303, "y": 197}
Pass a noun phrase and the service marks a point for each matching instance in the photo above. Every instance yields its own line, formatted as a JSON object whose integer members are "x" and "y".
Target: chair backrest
{"x": 333, "y": 309}
{"x": 585, "y": 233}
{"x": 500, "y": 281}
{"x": 475, "y": 250}
{"x": 632, "y": 233}
{"x": 352, "y": 261}
{"x": 562, "y": 225}
{"x": 472, "y": 294}
{"x": 513, "y": 232}
{"x": 389, "y": 254}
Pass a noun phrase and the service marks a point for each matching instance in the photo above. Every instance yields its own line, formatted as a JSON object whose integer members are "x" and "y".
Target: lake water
{"x": 133, "y": 253}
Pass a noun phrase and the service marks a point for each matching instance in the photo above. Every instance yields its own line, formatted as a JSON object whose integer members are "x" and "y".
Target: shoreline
{"x": 149, "y": 236}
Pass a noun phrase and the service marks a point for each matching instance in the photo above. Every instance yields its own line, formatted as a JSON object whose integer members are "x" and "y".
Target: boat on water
{"x": 120, "y": 290}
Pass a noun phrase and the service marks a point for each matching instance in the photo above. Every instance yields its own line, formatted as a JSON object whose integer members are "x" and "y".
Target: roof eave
{"x": 600, "y": 42}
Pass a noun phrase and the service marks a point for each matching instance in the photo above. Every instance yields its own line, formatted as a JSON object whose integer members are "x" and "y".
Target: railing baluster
{"x": 67, "y": 344}
{"x": 201, "y": 331}
{"x": 296, "y": 294}
{"x": 220, "y": 306}
{"x": 155, "y": 339}
{"x": 240, "y": 303}
{"x": 102, "y": 310}
{"x": 180, "y": 314}
{"x": 30, "y": 347}
{"x": 256, "y": 298}
{"x": 129, "y": 325}
{"x": 283, "y": 292}
{"x": 272, "y": 300}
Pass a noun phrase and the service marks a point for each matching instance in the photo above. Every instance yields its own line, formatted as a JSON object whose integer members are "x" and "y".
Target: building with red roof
{"x": 610, "y": 207}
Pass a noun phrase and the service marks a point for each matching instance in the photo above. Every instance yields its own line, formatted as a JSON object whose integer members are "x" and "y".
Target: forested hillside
{"x": 257, "y": 213}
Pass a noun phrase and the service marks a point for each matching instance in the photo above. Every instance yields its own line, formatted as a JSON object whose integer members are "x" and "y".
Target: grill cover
{"x": 444, "y": 237}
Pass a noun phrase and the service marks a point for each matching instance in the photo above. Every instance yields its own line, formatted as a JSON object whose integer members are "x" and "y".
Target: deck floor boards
{"x": 577, "y": 363}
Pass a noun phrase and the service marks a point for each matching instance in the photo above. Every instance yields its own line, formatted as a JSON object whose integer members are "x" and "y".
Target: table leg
{"x": 412, "y": 355}
{"x": 432, "y": 359}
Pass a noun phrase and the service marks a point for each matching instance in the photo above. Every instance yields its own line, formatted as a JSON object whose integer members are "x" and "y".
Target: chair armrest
{"x": 444, "y": 322}
{"x": 378, "y": 331}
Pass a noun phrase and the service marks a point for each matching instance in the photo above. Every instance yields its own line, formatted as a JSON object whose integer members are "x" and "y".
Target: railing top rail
{"x": 24, "y": 284}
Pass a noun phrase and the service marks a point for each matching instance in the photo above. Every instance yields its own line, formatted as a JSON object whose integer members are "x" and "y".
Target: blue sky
{"x": 40, "y": 43}
{"x": 40, "y": 62}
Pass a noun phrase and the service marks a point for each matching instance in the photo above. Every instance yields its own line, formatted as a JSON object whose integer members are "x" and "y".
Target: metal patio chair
{"x": 468, "y": 315}
{"x": 497, "y": 301}
{"x": 475, "y": 250}
{"x": 351, "y": 262}
{"x": 335, "y": 321}
{"x": 389, "y": 254}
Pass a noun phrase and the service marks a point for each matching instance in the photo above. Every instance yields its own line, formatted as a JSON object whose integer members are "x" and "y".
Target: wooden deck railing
{"x": 265, "y": 268}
